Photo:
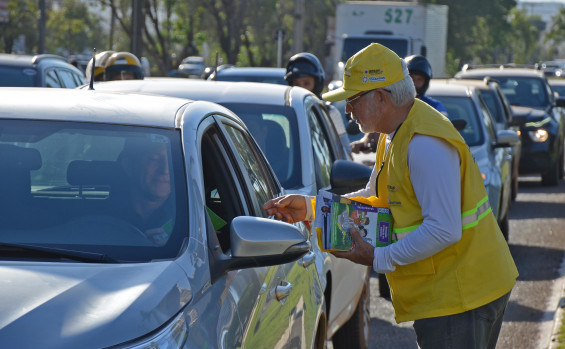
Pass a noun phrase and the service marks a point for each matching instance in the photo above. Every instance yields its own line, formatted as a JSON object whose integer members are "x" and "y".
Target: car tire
{"x": 514, "y": 188}
{"x": 505, "y": 227}
{"x": 551, "y": 177}
{"x": 384, "y": 288}
{"x": 561, "y": 165}
{"x": 355, "y": 332}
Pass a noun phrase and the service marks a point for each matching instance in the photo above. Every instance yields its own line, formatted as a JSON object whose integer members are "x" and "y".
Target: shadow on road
{"x": 529, "y": 265}
{"x": 516, "y": 312}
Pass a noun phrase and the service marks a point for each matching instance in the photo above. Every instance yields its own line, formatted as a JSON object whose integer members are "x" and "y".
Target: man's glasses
{"x": 349, "y": 103}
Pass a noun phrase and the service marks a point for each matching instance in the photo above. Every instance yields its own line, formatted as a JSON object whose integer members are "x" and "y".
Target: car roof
{"x": 89, "y": 106}
{"x": 560, "y": 82}
{"x": 28, "y": 60}
{"x": 480, "y": 84}
{"x": 517, "y": 72}
{"x": 442, "y": 87}
{"x": 214, "y": 91}
{"x": 253, "y": 71}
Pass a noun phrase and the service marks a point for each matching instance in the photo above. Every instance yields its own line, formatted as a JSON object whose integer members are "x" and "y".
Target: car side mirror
{"x": 506, "y": 138}
{"x": 459, "y": 124}
{"x": 251, "y": 247}
{"x": 560, "y": 101}
{"x": 517, "y": 120}
{"x": 347, "y": 176}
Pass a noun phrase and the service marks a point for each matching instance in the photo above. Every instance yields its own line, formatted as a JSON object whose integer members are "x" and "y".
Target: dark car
{"x": 542, "y": 129}
{"x": 251, "y": 74}
{"x": 502, "y": 113}
{"x": 558, "y": 85}
{"x": 43, "y": 70}
{"x": 490, "y": 145}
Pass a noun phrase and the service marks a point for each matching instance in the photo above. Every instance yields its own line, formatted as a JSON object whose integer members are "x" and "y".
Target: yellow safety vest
{"x": 468, "y": 274}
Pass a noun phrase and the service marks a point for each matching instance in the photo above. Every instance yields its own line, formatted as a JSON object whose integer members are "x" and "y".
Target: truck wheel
{"x": 384, "y": 289}
{"x": 355, "y": 332}
{"x": 551, "y": 177}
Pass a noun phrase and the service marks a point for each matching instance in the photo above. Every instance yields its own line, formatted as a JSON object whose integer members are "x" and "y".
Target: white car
{"x": 134, "y": 221}
{"x": 294, "y": 130}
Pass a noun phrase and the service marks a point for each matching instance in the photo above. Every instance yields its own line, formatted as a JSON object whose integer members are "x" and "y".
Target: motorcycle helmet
{"x": 101, "y": 59}
{"x": 306, "y": 64}
{"x": 419, "y": 65}
{"x": 123, "y": 66}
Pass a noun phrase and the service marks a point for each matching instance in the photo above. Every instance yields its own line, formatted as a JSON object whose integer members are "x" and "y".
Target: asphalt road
{"x": 537, "y": 243}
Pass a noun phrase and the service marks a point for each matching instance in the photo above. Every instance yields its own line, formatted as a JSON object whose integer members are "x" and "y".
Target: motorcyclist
{"x": 305, "y": 70}
{"x": 101, "y": 59}
{"x": 123, "y": 66}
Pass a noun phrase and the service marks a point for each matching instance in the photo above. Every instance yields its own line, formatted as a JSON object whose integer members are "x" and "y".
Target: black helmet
{"x": 419, "y": 65}
{"x": 306, "y": 64}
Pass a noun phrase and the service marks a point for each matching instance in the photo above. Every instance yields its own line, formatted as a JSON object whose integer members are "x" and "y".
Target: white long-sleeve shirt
{"x": 435, "y": 177}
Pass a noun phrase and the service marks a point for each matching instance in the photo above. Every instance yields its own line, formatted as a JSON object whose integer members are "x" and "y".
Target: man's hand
{"x": 289, "y": 208}
{"x": 361, "y": 252}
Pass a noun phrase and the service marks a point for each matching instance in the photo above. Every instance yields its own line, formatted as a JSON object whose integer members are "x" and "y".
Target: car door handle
{"x": 308, "y": 259}
{"x": 282, "y": 290}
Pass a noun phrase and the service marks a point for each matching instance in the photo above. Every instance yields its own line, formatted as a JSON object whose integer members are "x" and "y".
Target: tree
{"x": 72, "y": 28}
{"x": 22, "y": 20}
{"x": 556, "y": 32}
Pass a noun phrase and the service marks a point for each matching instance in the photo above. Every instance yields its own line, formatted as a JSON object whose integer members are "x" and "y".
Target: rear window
{"x": 276, "y": 131}
{"x": 464, "y": 108}
{"x": 18, "y": 76}
{"x": 105, "y": 189}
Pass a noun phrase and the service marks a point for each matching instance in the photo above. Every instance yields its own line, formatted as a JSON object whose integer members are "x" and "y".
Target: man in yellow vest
{"x": 450, "y": 271}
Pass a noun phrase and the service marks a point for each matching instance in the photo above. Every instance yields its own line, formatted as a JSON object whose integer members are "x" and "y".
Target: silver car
{"x": 134, "y": 221}
{"x": 299, "y": 138}
{"x": 490, "y": 146}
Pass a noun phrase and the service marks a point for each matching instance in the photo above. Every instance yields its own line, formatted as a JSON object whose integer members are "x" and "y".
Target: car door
{"x": 277, "y": 303}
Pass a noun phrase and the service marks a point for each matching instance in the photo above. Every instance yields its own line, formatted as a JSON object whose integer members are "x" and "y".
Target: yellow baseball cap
{"x": 373, "y": 67}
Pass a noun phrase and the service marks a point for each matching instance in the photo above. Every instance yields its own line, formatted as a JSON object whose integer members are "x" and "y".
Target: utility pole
{"x": 137, "y": 26}
{"x": 42, "y": 21}
{"x": 298, "y": 37}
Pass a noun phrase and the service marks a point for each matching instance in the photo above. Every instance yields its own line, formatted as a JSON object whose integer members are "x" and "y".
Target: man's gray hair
{"x": 402, "y": 91}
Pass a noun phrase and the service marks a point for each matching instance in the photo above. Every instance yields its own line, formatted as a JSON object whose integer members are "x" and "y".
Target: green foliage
{"x": 73, "y": 28}
{"x": 22, "y": 20}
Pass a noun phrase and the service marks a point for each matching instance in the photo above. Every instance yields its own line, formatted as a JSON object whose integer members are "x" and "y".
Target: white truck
{"x": 407, "y": 28}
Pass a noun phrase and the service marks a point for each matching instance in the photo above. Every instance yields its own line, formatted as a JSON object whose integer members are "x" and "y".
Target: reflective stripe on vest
{"x": 468, "y": 219}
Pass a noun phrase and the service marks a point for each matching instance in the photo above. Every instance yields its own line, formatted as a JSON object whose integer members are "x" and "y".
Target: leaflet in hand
{"x": 335, "y": 216}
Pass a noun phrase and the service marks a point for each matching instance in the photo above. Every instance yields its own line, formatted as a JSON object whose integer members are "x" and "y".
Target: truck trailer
{"x": 407, "y": 28}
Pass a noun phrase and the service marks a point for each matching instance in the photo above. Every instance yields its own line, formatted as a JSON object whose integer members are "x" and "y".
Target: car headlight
{"x": 540, "y": 135}
{"x": 172, "y": 336}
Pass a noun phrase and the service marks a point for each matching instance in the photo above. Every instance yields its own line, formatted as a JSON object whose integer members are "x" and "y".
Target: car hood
{"x": 531, "y": 114}
{"x": 55, "y": 305}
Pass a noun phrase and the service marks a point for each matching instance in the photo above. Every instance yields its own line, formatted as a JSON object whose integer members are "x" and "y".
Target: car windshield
{"x": 269, "y": 79}
{"x": 90, "y": 188}
{"x": 463, "y": 108}
{"x": 526, "y": 92}
{"x": 17, "y": 77}
{"x": 276, "y": 131}
{"x": 353, "y": 45}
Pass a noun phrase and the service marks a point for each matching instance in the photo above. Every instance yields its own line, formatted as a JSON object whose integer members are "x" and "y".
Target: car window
{"x": 260, "y": 183}
{"x": 323, "y": 158}
{"x": 560, "y": 89}
{"x": 108, "y": 189}
{"x": 67, "y": 78}
{"x": 493, "y": 105}
{"x": 18, "y": 77}
{"x": 51, "y": 79}
{"x": 527, "y": 92}
{"x": 275, "y": 130}
{"x": 223, "y": 200}
{"x": 487, "y": 119}
{"x": 463, "y": 108}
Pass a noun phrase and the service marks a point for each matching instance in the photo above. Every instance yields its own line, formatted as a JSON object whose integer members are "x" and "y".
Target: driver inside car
{"x": 150, "y": 207}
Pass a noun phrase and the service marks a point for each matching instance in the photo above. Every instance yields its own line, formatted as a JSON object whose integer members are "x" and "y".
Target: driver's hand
{"x": 157, "y": 235}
